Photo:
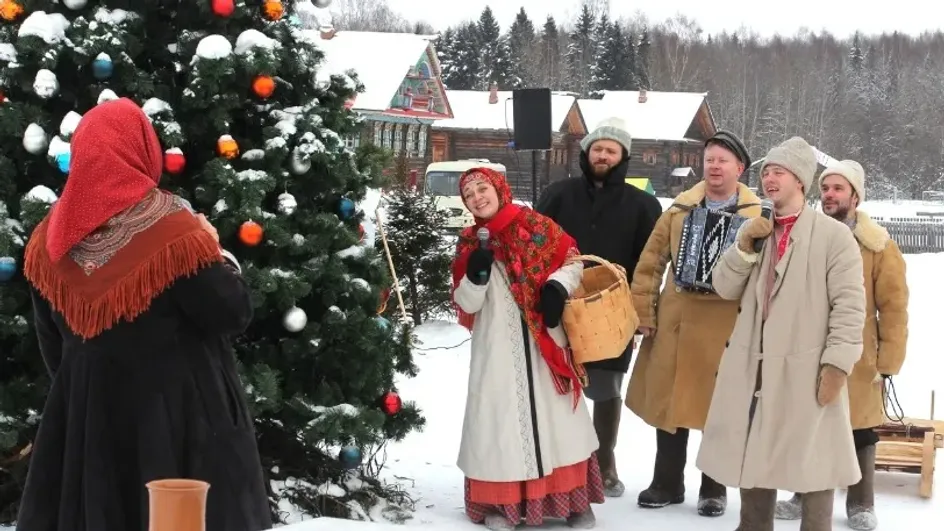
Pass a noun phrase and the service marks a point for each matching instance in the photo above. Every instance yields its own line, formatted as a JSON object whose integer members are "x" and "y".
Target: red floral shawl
{"x": 531, "y": 246}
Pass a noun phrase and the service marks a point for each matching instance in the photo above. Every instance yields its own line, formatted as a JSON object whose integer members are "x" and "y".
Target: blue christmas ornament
{"x": 7, "y": 268}
{"x": 63, "y": 160}
{"x": 346, "y": 208}
{"x": 102, "y": 67}
{"x": 350, "y": 457}
{"x": 382, "y": 322}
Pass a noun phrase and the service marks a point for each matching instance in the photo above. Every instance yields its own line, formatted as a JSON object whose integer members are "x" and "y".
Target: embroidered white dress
{"x": 516, "y": 426}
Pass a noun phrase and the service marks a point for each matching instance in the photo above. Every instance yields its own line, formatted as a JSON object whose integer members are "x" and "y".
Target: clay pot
{"x": 177, "y": 505}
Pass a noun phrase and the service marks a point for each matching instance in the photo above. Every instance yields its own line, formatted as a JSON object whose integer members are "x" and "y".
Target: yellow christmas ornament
{"x": 227, "y": 147}
{"x": 10, "y": 10}
{"x": 273, "y": 9}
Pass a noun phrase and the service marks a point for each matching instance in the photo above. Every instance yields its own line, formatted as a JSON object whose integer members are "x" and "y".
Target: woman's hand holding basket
{"x": 553, "y": 297}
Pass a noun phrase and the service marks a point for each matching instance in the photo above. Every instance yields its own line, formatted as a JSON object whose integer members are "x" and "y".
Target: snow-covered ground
{"x": 425, "y": 462}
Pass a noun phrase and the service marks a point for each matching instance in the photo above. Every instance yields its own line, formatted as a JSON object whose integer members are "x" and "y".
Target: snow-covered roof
{"x": 471, "y": 110}
{"x": 663, "y": 116}
{"x": 381, "y": 61}
{"x": 684, "y": 171}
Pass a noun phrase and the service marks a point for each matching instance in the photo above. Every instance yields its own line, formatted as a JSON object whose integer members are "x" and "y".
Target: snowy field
{"x": 425, "y": 462}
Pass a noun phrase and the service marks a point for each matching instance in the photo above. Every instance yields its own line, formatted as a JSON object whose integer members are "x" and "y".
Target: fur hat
{"x": 851, "y": 171}
{"x": 797, "y": 156}
{"x": 612, "y": 128}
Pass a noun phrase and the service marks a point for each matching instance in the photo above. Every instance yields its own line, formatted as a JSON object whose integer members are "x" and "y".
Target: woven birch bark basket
{"x": 599, "y": 317}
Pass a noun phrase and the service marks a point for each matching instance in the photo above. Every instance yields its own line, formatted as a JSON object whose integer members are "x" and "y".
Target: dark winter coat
{"x": 155, "y": 398}
{"x": 612, "y": 222}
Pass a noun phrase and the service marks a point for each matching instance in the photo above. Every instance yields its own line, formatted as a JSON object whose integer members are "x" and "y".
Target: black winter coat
{"x": 155, "y": 398}
{"x": 613, "y": 222}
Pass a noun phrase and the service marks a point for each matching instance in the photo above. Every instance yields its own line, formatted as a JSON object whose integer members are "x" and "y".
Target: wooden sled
{"x": 909, "y": 447}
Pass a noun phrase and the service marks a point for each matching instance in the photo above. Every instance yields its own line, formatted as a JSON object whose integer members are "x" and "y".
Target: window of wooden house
{"x": 352, "y": 141}
{"x": 559, "y": 158}
{"x": 411, "y": 140}
{"x": 397, "y": 138}
{"x": 388, "y": 136}
{"x": 421, "y": 141}
{"x": 650, "y": 157}
{"x": 674, "y": 158}
{"x": 378, "y": 134}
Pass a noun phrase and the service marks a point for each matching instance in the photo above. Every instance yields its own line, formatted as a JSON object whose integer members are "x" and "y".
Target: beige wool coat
{"x": 672, "y": 379}
{"x": 816, "y": 316}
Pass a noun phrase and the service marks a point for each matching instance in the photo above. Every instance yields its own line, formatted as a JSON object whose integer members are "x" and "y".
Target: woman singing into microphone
{"x": 528, "y": 444}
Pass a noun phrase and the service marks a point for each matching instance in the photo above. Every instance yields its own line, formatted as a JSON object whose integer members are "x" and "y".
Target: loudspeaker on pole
{"x": 532, "y": 119}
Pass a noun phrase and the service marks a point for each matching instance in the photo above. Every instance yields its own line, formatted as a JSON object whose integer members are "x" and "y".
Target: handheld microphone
{"x": 483, "y": 234}
{"x": 766, "y": 211}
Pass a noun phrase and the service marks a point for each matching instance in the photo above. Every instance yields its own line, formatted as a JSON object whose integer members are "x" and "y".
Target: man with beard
{"x": 884, "y": 338}
{"x": 611, "y": 219}
{"x": 685, "y": 329}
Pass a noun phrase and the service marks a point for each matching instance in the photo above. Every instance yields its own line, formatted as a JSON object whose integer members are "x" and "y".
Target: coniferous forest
{"x": 874, "y": 98}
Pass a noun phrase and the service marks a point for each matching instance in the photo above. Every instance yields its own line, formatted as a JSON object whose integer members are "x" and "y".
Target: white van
{"x": 442, "y": 182}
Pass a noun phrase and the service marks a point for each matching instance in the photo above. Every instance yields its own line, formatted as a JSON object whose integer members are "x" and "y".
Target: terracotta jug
{"x": 177, "y": 505}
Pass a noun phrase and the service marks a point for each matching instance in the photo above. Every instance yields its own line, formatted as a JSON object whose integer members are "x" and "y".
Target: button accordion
{"x": 706, "y": 235}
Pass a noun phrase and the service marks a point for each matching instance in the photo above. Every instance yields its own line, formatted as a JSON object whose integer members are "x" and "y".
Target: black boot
{"x": 712, "y": 497}
{"x": 668, "y": 479}
{"x": 606, "y": 419}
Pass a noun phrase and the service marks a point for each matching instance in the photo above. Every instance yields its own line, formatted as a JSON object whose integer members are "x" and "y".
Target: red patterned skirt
{"x": 567, "y": 490}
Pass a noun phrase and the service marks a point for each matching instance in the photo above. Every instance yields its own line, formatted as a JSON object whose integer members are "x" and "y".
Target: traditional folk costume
{"x": 133, "y": 306}
{"x": 528, "y": 443}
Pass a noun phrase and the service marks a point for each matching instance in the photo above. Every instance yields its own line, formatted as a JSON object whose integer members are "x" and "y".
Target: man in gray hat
{"x": 779, "y": 415}
{"x": 611, "y": 219}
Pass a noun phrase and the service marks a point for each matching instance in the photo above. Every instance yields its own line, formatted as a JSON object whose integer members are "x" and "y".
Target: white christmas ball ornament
{"x": 295, "y": 319}
{"x": 300, "y": 163}
{"x": 34, "y": 139}
{"x": 287, "y": 203}
{"x": 46, "y": 84}
{"x": 107, "y": 95}
{"x": 75, "y": 5}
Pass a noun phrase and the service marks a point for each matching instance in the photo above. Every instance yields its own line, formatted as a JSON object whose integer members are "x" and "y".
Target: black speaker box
{"x": 532, "y": 119}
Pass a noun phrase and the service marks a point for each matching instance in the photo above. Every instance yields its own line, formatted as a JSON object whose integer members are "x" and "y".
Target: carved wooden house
{"x": 483, "y": 128}
{"x": 669, "y": 130}
{"x": 403, "y": 92}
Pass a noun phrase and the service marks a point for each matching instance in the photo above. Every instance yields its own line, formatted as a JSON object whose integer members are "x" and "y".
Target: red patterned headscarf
{"x": 116, "y": 162}
{"x": 531, "y": 247}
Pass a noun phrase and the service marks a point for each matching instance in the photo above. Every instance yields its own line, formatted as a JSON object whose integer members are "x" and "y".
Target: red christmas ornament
{"x": 391, "y": 404}
{"x": 223, "y": 8}
{"x": 250, "y": 233}
{"x": 174, "y": 161}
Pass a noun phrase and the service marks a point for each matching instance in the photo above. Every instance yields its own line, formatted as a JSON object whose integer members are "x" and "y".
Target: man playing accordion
{"x": 686, "y": 325}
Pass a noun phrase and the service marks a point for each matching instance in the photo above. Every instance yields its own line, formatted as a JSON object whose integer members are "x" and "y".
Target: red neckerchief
{"x": 787, "y": 222}
{"x": 531, "y": 246}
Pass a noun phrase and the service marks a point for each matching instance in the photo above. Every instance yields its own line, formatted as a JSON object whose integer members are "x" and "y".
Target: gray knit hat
{"x": 797, "y": 156}
{"x": 612, "y": 128}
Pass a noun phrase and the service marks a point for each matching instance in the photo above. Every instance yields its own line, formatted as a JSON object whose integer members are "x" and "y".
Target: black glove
{"x": 553, "y": 297}
{"x": 479, "y": 267}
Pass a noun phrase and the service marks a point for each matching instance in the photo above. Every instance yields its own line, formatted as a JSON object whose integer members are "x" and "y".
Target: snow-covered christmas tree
{"x": 255, "y": 141}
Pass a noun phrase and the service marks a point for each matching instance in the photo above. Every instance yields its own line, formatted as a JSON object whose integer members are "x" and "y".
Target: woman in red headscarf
{"x": 528, "y": 444}
{"x": 133, "y": 305}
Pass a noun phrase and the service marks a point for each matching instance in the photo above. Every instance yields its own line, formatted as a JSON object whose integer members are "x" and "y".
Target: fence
{"x": 915, "y": 235}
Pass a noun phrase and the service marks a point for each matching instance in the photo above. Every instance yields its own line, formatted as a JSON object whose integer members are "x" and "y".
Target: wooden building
{"x": 483, "y": 128}
{"x": 403, "y": 95}
{"x": 668, "y": 129}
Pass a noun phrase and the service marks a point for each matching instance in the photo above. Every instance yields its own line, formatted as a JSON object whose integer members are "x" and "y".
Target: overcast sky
{"x": 766, "y": 17}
